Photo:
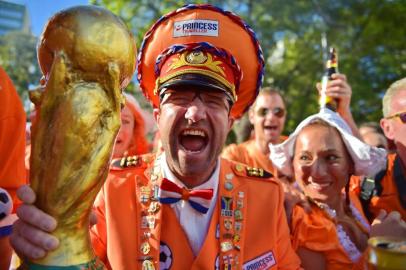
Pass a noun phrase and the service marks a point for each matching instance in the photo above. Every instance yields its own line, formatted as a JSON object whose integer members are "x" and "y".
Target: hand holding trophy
{"x": 87, "y": 56}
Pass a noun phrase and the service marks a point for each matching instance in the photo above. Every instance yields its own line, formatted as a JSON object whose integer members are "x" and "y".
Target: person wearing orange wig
{"x": 12, "y": 146}
{"x": 12, "y": 137}
{"x": 131, "y": 138}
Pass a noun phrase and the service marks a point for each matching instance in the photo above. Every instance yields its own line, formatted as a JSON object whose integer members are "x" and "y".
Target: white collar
{"x": 211, "y": 183}
{"x": 194, "y": 224}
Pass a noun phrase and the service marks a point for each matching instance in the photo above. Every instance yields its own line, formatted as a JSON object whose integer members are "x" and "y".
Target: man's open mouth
{"x": 271, "y": 127}
{"x": 193, "y": 140}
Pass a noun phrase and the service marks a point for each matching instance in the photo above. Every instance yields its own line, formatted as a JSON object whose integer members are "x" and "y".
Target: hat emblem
{"x": 196, "y": 57}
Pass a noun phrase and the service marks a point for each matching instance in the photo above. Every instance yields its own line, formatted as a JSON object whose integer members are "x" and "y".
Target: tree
{"x": 19, "y": 59}
{"x": 368, "y": 35}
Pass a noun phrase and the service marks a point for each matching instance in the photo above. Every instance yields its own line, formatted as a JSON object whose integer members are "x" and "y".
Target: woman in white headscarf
{"x": 322, "y": 155}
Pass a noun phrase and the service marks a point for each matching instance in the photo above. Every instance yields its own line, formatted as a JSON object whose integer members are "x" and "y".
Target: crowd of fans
{"x": 322, "y": 191}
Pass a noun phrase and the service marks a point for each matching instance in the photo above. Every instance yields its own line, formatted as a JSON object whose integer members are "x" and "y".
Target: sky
{"x": 41, "y": 10}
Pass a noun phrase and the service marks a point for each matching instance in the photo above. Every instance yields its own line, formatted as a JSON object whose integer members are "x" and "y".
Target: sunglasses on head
{"x": 401, "y": 115}
{"x": 278, "y": 112}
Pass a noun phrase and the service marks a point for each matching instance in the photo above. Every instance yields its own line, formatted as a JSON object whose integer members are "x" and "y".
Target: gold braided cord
{"x": 205, "y": 62}
{"x": 230, "y": 87}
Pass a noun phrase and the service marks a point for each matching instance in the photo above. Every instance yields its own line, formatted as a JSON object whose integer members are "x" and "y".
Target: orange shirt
{"x": 355, "y": 183}
{"x": 389, "y": 198}
{"x": 259, "y": 231}
{"x": 248, "y": 153}
{"x": 12, "y": 138}
{"x": 317, "y": 232}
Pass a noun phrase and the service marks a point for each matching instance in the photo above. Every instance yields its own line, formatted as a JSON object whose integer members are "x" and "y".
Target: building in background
{"x": 13, "y": 17}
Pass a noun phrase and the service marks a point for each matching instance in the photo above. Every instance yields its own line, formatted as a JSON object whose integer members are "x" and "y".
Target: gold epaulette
{"x": 132, "y": 161}
{"x": 125, "y": 162}
{"x": 252, "y": 171}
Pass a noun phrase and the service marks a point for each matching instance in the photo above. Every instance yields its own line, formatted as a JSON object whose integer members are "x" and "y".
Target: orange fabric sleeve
{"x": 12, "y": 138}
{"x": 389, "y": 198}
{"x": 316, "y": 232}
{"x": 313, "y": 232}
{"x": 232, "y": 152}
{"x": 355, "y": 184}
{"x": 288, "y": 257}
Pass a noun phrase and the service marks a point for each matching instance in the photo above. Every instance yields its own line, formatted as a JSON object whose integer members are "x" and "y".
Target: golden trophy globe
{"x": 87, "y": 56}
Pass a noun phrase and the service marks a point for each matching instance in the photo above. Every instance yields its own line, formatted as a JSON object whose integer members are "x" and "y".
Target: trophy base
{"x": 94, "y": 264}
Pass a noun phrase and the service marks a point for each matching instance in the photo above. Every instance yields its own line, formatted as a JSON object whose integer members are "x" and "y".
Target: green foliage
{"x": 19, "y": 59}
{"x": 368, "y": 34}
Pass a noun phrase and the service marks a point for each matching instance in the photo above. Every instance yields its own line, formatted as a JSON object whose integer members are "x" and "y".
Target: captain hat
{"x": 204, "y": 46}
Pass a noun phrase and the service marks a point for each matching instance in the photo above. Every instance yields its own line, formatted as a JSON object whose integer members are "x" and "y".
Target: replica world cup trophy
{"x": 87, "y": 56}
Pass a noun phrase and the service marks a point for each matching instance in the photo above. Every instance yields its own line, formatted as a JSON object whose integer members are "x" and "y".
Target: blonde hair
{"x": 267, "y": 91}
{"x": 393, "y": 89}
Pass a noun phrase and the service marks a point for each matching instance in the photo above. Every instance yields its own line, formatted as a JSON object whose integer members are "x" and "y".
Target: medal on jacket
{"x": 232, "y": 213}
{"x": 150, "y": 214}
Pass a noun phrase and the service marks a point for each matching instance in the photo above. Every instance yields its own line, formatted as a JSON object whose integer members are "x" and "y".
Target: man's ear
{"x": 230, "y": 123}
{"x": 157, "y": 114}
{"x": 251, "y": 115}
{"x": 387, "y": 128}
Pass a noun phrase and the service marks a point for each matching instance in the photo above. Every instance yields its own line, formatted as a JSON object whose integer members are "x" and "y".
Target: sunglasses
{"x": 401, "y": 115}
{"x": 278, "y": 112}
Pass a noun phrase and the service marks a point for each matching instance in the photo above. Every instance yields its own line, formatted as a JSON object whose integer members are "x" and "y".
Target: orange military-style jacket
{"x": 248, "y": 153}
{"x": 248, "y": 229}
{"x": 318, "y": 232}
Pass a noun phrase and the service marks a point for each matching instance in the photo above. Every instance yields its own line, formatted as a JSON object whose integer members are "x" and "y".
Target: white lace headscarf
{"x": 368, "y": 160}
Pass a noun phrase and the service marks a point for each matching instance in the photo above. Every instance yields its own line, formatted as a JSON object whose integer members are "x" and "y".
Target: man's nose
{"x": 196, "y": 111}
{"x": 270, "y": 116}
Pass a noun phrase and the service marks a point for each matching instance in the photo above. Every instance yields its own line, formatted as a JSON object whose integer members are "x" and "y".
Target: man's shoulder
{"x": 136, "y": 162}
{"x": 231, "y": 148}
{"x": 393, "y": 177}
{"x": 249, "y": 173}
{"x": 391, "y": 160}
{"x": 386, "y": 176}
{"x": 242, "y": 145}
{"x": 125, "y": 171}
{"x": 237, "y": 152}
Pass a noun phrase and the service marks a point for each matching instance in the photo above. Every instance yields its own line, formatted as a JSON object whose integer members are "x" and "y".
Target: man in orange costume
{"x": 186, "y": 208}
{"x": 12, "y": 145}
{"x": 389, "y": 189}
{"x": 267, "y": 115}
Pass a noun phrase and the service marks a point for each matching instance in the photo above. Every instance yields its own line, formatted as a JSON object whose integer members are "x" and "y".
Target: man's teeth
{"x": 194, "y": 132}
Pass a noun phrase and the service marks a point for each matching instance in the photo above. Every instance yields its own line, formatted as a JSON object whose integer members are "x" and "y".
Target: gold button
{"x": 145, "y": 248}
{"x": 239, "y": 167}
{"x": 148, "y": 265}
